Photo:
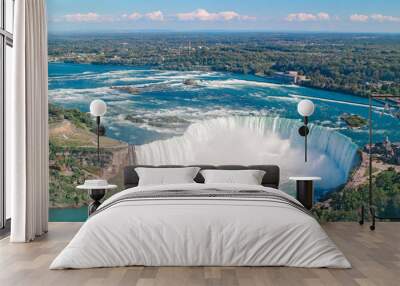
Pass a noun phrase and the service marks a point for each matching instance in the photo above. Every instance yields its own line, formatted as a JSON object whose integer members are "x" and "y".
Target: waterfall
{"x": 258, "y": 140}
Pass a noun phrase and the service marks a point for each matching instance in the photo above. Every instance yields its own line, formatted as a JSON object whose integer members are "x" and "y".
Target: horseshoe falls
{"x": 249, "y": 140}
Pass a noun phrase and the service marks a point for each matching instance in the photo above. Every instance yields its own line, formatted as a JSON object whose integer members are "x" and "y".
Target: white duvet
{"x": 202, "y": 232}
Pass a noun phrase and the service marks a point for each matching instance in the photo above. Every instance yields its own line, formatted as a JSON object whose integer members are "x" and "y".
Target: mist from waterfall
{"x": 247, "y": 140}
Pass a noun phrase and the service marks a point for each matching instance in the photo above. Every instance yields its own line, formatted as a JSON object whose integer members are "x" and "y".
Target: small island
{"x": 191, "y": 82}
{"x": 127, "y": 89}
{"x": 134, "y": 90}
{"x": 353, "y": 120}
{"x": 166, "y": 121}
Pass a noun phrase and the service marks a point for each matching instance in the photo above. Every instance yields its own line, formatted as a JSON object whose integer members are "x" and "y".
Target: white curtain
{"x": 27, "y": 124}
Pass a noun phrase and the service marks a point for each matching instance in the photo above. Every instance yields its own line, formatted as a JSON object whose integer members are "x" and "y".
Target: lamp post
{"x": 305, "y": 108}
{"x": 98, "y": 108}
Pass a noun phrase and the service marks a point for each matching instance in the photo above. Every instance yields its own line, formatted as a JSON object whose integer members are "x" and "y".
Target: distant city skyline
{"x": 234, "y": 15}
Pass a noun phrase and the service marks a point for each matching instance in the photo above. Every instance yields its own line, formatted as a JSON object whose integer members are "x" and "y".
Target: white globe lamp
{"x": 305, "y": 108}
{"x": 98, "y": 107}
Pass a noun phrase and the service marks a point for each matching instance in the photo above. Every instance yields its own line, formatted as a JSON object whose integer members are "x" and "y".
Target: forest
{"x": 344, "y": 205}
{"x": 354, "y": 63}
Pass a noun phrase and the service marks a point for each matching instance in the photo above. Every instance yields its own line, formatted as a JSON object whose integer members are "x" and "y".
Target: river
{"x": 161, "y": 105}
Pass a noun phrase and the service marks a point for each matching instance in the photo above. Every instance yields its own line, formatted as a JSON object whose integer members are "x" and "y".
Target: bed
{"x": 198, "y": 224}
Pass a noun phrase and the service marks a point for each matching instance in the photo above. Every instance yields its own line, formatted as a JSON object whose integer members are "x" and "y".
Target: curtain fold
{"x": 27, "y": 124}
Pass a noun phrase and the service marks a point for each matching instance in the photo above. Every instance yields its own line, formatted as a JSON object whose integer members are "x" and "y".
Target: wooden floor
{"x": 375, "y": 257}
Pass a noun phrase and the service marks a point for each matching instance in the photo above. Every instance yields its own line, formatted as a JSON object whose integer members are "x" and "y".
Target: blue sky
{"x": 268, "y": 15}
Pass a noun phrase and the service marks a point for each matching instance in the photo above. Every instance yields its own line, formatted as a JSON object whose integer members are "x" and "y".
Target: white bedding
{"x": 200, "y": 231}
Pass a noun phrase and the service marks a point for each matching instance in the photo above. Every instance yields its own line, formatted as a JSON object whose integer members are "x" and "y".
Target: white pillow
{"x": 165, "y": 176}
{"x": 248, "y": 177}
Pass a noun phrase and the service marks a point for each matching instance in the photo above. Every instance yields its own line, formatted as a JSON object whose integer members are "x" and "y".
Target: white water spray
{"x": 258, "y": 140}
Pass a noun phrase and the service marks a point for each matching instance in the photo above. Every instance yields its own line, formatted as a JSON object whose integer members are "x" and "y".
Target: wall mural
{"x": 193, "y": 111}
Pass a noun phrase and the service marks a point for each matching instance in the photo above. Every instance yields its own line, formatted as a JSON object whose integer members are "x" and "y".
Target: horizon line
{"x": 166, "y": 31}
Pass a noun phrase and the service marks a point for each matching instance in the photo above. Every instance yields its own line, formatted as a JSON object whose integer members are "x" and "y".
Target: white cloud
{"x": 305, "y": 17}
{"x": 155, "y": 16}
{"x": 93, "y": 17}
{"x": 84, "y": 17}
{"x": 204, "y": 15}
{"x": 374, "y": 17}
{"x": 228, "y": 15}
{"x": 384, "y": 18}
{"x": 359, "y": 18}
{"x": 133, "y": 16}
{"x": 323, "y": 16}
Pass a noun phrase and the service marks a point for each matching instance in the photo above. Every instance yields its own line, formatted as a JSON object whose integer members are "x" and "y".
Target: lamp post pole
{"x": 305, "y": 137}
{"x": 98, "y": 108}
{"x": 304, "y": 131}
{"x": 98, "y": 140}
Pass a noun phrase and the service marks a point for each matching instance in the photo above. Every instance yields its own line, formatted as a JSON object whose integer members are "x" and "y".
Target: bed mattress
{"x": 201, "y": 225}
